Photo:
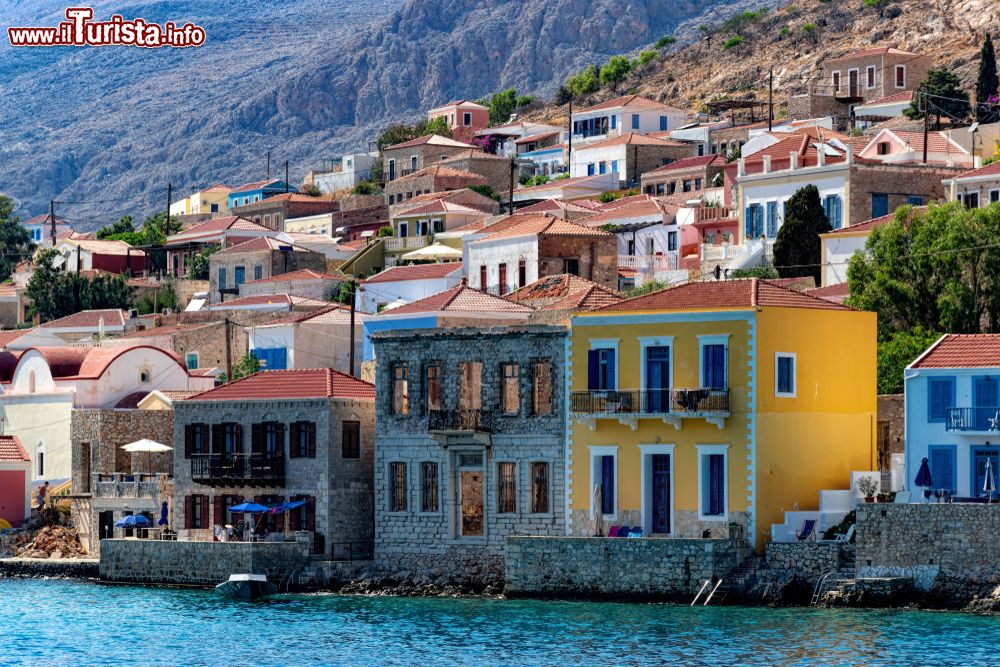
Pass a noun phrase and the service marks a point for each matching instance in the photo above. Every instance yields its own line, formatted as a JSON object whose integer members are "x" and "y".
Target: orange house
{"x": 463, "y": 117}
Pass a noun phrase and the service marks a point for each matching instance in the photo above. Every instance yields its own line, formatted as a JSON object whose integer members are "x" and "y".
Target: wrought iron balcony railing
{"x": 678, "y": 402}
{"x": 480, "y": 421}
{"x": 238, "y": 469}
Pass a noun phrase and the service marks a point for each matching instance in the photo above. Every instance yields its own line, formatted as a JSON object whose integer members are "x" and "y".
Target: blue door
{"x": 272, "y": 358}
{"x": 657, "y": 379}
{"x": 980, "y": 455}
{"x": 240, "y": 275}
{"x": 880, "y": 205}
{"x": 985, "y": 402}
{"x": 661, "y": 493}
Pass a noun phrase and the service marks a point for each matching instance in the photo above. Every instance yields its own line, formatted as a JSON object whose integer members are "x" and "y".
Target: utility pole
{"x": 513, "y": 168}
{"x": 78, "y": 260}
{"x": 52, "y": 220}
{"x": 269, "y": 165}
{"x": 286, "y": 176}
{"x": 923, "y": 89}
{"x": 569, "y": 144}
{"x": 170, "y": 194}
{"x": 354, "y": 296}
{"x": 770, "y": 98}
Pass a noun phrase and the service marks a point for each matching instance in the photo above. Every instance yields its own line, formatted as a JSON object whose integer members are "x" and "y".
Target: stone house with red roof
{"x": 688, "y": 175}
{"x": 306, "y": 283}
{"x": 15, "y": 481}
{"x": 495, "y": 169}
{"x": 977, "y": 187}
{"x": 221, "y": 232}
{"x": 470, "y": 447}
{"x": 629, "y": 155}
{"x": 275, "y": 437}
{"x": 256, "y": 259}
{"x": 274, "y": 210}
{"x": 409, "y": 157}
{"x": 435, "y": 178}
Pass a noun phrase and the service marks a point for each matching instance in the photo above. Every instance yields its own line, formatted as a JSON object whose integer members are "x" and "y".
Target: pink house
{"x": 15, "y": 481}
{"x": 898, "y": 146}
{"x": 463, "y": 117}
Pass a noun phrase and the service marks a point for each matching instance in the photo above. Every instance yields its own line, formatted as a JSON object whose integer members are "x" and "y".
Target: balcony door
{"x": 470, "y": 494}
{"x": 980, "y": 456}
{"x": 658, "y": 379}
{"x": 661, "y": 493}
{"x": 985, "y": 401}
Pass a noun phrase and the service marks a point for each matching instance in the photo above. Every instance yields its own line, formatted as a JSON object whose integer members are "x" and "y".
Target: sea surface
{"x": 48, "y": 623}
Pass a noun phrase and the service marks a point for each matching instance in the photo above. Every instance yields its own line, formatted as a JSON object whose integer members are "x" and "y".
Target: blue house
{"x": 953, "y": 414}
{"x": 252, "y": 192}
{"x": 40, "y": 228}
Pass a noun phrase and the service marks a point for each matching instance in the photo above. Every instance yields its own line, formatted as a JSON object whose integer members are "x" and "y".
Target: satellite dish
{"x": 974, "y": 126}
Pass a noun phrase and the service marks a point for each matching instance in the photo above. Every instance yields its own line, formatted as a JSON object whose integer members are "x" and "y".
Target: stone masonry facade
{"x": 596, "y": 257}
{"x": 452, "y": 484}
{"x": 271, "y": 263}
{"x": 338, "y": 489}
{"x": 898, "y": 182}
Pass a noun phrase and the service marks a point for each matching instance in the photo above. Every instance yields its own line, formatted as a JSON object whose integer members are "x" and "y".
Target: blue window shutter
{"x": 880, "y": 205}
{"x": 614, "y": 121}
{"x": 609, "y": 369}
{"x": 942, "y": 464}
{"x": 608, "y": 484}
{"x": 592, "y": 367}
{"x": 716, "y": 484}
{"x": 772, "y": 219}
{"x": 719, "y": 379}
{"x": 635, "y": 121}
{"x": 663, "y": 123}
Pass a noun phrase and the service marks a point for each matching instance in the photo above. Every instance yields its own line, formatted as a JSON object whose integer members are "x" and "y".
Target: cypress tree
{"x": 797, "y": 250}
{"x": 987, "y": 84}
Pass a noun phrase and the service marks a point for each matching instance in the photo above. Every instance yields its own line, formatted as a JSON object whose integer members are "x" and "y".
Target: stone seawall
{"x": 197, "y": 563}
{"x": 33, "y": 568}
{"x": 809, "y": 560}
{"x": 615, "y": 567}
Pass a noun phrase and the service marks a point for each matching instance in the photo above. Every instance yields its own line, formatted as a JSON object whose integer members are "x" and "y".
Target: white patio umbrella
{"x": 596, "y": 514}
{"x": 437, "y": 251}
{"x": 148, "y": 446}
{"x": 989, "y": 483}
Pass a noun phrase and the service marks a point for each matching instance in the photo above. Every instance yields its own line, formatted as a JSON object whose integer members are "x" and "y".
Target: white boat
{"x": 246, "y": 587}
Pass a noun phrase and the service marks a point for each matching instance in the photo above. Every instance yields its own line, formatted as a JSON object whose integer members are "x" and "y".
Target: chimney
{"x": 977, "y": 162}
{"x": 741, "y": 167}
{"x": 793, "y": 160}
{"x": 849, "y": 155}
{"x": 767, "y": 164}
{"x": 820, "y": 155}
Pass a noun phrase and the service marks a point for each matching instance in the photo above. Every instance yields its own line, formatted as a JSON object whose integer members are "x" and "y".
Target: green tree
{"x": 400, "y": 132}
{"x": 945, "y": 97}
{"x": 366, "y": 188}
{"x": 665, "y": 41}
{"x": 157, "y": 300}
{"x": 616, "y": 71}
{"x": 987, "y": 83}
{"x": 583, "y": 83}
{"x": 608, "y": 197}
{"x": 123, "y": 226}
{"x": 437, "y": 126}
{"x": 898, "y": 352}
{"x": 384, "y": 231}
{"x": 523, "y": 101}
{"x": 245, "y": 367}
{"x": 797, "y": 250}
{"x": 485, "y": 191}
{"x": 312, "y": 190}
{"x": 502, "y": 105}
{"x": 647, "y": 57}
{"x": 931, "y": 270}
{"x": 563, "y": 96}
{"x": 56, "y": 294}
{"x": 15, "y": 241}
{"x": 198, "y": 269}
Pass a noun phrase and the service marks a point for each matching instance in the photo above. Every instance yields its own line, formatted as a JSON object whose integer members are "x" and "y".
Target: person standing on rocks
{"x": 42, "y": 492}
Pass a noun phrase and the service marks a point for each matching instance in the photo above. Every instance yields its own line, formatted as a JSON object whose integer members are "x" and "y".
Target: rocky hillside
{"x": 795, "y": 39}
{"x": 304, "y": 79}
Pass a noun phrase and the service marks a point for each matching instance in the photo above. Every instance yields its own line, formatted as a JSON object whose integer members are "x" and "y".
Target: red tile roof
{"x": 265, "y": 300}
{"x": 11, "y": 450}
{"x": 868, "y": 225}
{"x": 803, "y": 144}
{"x": 459, "y": 299}
{"x": 301, "y": 274}
{"x": 261, "y": 244}
{"x": 834, "y": 293}
{"x": 937, "y": 142}
{"x": 632, "y": 139}
{"x": 547, "y": 205}
{"x": 686, "y": 163}
{"x": 131, "y": 401}
{"x": 877, "y": 51}
{"x": 215, "y": 227}
{"x": 311, "y": 315}
{"x": 291, "y": 196}
{"x": 432, "y": 139}
{"x": 415, "y": 272}
{"x": 626, "y": 101}
{"x": 962, "y": 351}
{"x": 992, "y": 169}
{"x": 88, "y": 362}
{"x": 88, "y": 319}
{"x": 442, "y": 171}
{"x": 649, "y": 208}
{"x": 726, "y": 294}
{"x": 290, "y": 385}
{"x": 535, "y": 137}
{"x": 564, "y": 292}
{"x": 546, "y": 225}
{"x": 905, "y": 96}
{"x": 438, "y": 206}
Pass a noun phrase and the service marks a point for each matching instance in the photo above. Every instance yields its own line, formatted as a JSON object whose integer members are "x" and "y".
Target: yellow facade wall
{"x": 813, "y": 441}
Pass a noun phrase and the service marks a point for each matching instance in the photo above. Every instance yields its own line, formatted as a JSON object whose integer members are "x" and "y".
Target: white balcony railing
{"x": 408, "y": 243}
{"x": 655, "y": 263}
{"x": 714, "y": 253}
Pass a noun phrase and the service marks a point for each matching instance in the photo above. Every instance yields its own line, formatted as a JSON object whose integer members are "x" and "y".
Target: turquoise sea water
{"x": 47, "y": 623}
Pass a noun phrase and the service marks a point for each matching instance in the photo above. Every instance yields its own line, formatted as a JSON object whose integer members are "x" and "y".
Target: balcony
{"x": 238, "y": 470}
{"x": 406, "y": 244}
{"x": 654, "y": 263}
{"x": 671, "y": 406}
{"x": 850, "y": 92}
{"x": 460, "y": 421}
{"x": 123, "y": 485}
{"x": 973, "y": 420}
{"x": 709, "y": 214}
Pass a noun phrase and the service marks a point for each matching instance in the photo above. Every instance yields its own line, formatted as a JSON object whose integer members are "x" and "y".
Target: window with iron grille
{"x": 507, "y": 487}
{"x": 397, "y": 486}
{"x": 511, "y": 389}
{"x": 428, "y": 486}
{"x": 539, "y": 487}
{"x": 351, "y": 440}
{"x": 432, "y": 387}
{"x": 401, "y": 390}
{"x": 542, "y": 388}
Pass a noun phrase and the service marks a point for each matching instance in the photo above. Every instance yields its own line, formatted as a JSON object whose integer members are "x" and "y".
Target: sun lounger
{"x": 613, "y": 531}
{"x": 808, "y": 526}
{"x": 845, "y": 537}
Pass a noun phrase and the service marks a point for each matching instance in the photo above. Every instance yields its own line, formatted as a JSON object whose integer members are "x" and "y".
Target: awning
{"x": 436, "y": 251}
{"x": 146, "y": 445}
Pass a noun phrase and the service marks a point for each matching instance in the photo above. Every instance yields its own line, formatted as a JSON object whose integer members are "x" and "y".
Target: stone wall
{"x": 597, "y": 257}
{"x": 495, "y": 169}
{"x": 809, "y": 559}
{"x": 272, "y": 263}
{"x": 898, "y": 181}
{"x": 402, "y": 189}
{"x": 197, "y": 563}
{"x": 594, "y": 566}
{"x": 929, "y": 540}
{"x": 891, "y": 413}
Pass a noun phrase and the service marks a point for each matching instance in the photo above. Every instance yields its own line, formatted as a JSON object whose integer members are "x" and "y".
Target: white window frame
{"x": 711, "y": 339}
{"x": 895, "y": 77}
{"x": 466, "y": 118}
{"x": 414, "y": 161}
{"x": 835, "y": 79}
{"x": 795, "y": 370}
{"x": 597, "y": 451}
{"x": 994, "y": 191}
{"x": 654, "y": 341}
{"x": 870, "y": 78}
{"x": 646, "y": 453}
{"x": 708, "y": 450}
{"x": 603, "y": 344}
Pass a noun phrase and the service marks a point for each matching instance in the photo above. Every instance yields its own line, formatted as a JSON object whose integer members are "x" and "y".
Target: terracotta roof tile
{"x": 87, "y": 319}
{"x": 256, "y": 185}
{"x": 415, "y": 272}
{"x": 459, "y": 299}
{"x": 261, "y": 244}
{"x": 631, "y": 101}
{"x": 301, "y": 274}
{"x": 290, "y": 385}
{"x": 992, "y": 169}
{"x": 215, "y": 227}
{"x": 962, "y": 351}
{"x": 937, "y": 142}
{"x": 632, "y": 139}
{"x": 439, "y": 206}
{"x": 11, "y": 450}
{"x": 547, "y": 205}
{"x": 9, "y": 336}
{"x": 564, "y": 292}
{"x": 721, "y": 295}
{"x": 686, "y": 163}
{"x": 905, "y": 96}
{"x": 8, "y": 363}
{"x": 547, "y": 225}
{"x": 266, "y": 300}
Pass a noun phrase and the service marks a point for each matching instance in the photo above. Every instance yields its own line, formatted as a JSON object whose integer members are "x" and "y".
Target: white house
{"x": 627, "y": 156}
{"x": 952, "y": 409}
{"x": 979, "y": 187}
{"x": 320, "y": 339}
{"x": 630, "y": 113}
{"x": 898, "y": 146}
{"x": 405, "y": 284}
{"x": 840, "y": 245}
{"x": 49, "y": 382}
{"x": 354, "y": 168}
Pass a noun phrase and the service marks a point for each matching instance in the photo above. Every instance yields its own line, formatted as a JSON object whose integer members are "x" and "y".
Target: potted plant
{"x": 868, "y": 486}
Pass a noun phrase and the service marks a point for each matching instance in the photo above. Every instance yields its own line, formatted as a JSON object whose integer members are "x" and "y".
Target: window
{"x": 635, "y": 121}
{"x": 915, "y": 200}
{"x": 571, "y": 266}
{"x": 437, "y": 225}
{"x": 614, "y": 166}
{"x": 687, "y": 185}
{"x": 784, "y": 375}
{"x": 754, "y": 223}
{"x": 541, "y": 390}
{"x": 697, "y": 184}
{"x": 901, "y": 76}
{"x": 671, "y": 241}
{"x": 350, "y": 440}
{"x": 401, "y": 390}
{"x": 713, "y": 362}
{"x": 470, "y": 394}
{"x": 482, "y": 277}
{"x": 222, "y": 278}
{"x": 883, "y": 148}
{"x": 601, "y": 369}
{"x": 994, "y": 196}
{"x": 227, "y": 439}
{"x": 403, "y": 230}
{"x": 413, "y": 163}
{"x": 195, "y": 439}
{"x": 258, "y": 272}
{"x": 833, "y": 207}
{"x": 880, "y": 204}
{"x": 432, "y": 387}
{"x": 466, "y": 118}
{"x": 630, "y": 247}
{"x": 539, "y": 487}
{"x": 40, "y": 457}
{"x": 836, "y": 81}
{"x": 590, "y": 169}
{"x": 428, "y": 486}
{"x": 511, "y": 393}
{"x": 397, "y": 486}
{"x": 663, "y": 123}
{"x": 392, "y": 170}
{"x": 607, "y": 477}
{"x": 215, "y": 208}
{"x": 602, "y": 167}
{"x": 506, "y": 487}
{"x": 196, "y": 512}
{"x": 144, "y": 376}
{"x": 614, "y": 121}
{"x": 971, "y": 199}
{"x": 940, "y": 397}
{"x": 943, "y": 466}
{"x": 870, "y": 76}
{"x": 191, "y": 360}
{"x": 712, "y": 460}
{"x": 302, "y": 441}
{"x": 772, "y": 219}
{"x": 502, "y": 277}
{"x": 522, "y": 273}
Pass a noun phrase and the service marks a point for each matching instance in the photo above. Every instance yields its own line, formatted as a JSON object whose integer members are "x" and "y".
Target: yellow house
{"x": 716, "y": 403}
{"x": 213, "y": 200}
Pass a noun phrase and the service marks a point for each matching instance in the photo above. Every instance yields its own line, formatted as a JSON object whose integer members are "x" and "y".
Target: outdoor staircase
{"x": 736, "y": 581}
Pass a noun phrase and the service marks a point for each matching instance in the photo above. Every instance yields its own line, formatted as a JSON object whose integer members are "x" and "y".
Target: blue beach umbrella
{"x": 924, "y": 475}
{"x": 133, "y": 521}
{"x": 249, "y": 508}
{"x": 163, "y": 514}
